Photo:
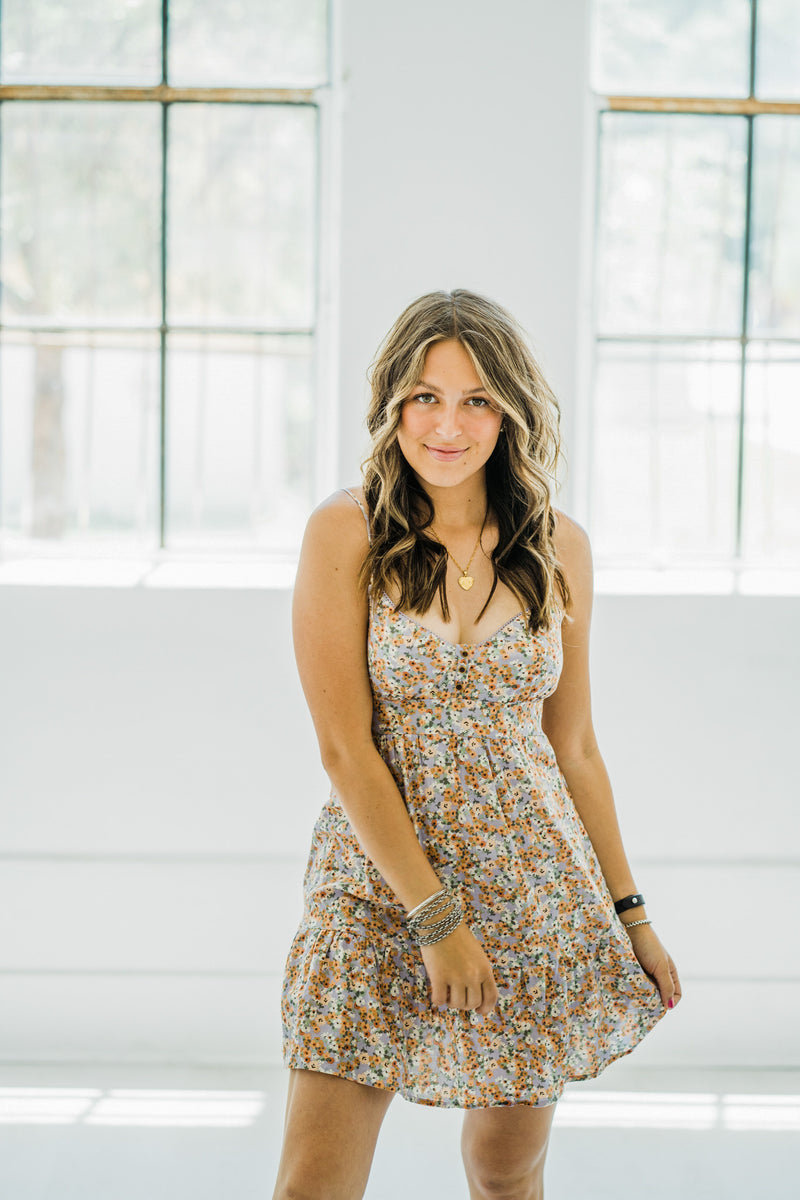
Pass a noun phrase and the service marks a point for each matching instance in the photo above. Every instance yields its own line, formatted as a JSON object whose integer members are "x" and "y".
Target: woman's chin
{"x": 442, "y": 476}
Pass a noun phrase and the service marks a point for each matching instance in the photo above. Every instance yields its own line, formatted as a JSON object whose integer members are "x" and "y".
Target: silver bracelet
{"x": 439, "y": 903}
{"x": 629, "y": 924}
{"x": 435, "y": 896}
{"x": 426, "y": 931}
{"x": 436, "y": 933}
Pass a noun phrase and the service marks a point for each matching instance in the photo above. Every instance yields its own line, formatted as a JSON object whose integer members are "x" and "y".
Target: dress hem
{"x": 294, "y": 1061}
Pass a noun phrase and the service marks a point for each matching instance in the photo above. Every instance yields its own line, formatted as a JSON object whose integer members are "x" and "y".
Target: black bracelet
{"x": 627, "y": 902}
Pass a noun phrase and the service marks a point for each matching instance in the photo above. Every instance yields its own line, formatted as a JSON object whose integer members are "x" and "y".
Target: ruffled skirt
{"x": 356, "y": 1003}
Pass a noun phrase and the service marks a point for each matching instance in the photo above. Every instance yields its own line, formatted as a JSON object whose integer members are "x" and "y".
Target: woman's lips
{"x": 445, "y": 455}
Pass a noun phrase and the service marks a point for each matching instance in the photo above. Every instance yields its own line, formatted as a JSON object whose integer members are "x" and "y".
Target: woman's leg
{"x": 504, "y": 1151}
{"x": 329, "y": 1138}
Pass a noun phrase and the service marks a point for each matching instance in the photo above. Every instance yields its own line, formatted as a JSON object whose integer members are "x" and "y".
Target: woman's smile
{"x": 445, "y": 454}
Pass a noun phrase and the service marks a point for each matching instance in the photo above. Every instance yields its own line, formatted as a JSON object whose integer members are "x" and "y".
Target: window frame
{"x": 748, "y": 107}
{"x": 325, "y": 98}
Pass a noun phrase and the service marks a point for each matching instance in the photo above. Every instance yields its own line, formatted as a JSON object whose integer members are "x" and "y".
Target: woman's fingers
{"x": 454, "y": 995}
{"x": 474, "y": 996}
{"x": 461, "y": 996}
{"x": 439, "y": 993}
{"x": 664, "y": 980}
{"x": 673, "y": 985}
{"x": 481, "y": 997}
{"x": 459, "y": 972}
{"x": 489, "y": 997}
{"x": 658, "y": 964}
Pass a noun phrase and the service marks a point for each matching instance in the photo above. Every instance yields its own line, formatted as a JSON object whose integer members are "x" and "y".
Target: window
{"x": 160, "y": 248}
{"x": 696, "y": 378}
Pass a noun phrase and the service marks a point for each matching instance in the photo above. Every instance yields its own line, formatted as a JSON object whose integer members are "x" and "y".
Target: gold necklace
{"x": 465, "y": 580}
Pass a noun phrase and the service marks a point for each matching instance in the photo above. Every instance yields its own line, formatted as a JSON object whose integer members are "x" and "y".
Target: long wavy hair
{"x": 518, "y": 471}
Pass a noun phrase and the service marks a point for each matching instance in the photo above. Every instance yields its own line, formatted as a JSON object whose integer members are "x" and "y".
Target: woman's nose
{"x": 449, "y": 422}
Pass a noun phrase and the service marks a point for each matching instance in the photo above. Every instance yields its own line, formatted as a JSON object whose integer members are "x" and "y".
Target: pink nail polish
{"x": 670, "y": 1004}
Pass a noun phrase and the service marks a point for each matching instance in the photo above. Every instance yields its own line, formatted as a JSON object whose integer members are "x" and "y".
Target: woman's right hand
{"x": 460, "y": 972}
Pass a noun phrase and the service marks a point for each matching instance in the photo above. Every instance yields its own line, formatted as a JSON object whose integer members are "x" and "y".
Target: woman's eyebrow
{"x": 433, "y": 388}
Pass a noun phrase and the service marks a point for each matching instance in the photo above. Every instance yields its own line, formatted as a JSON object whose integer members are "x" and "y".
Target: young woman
{"x": 472, "y": 934}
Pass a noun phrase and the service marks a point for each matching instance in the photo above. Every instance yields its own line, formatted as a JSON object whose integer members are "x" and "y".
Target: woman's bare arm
{"x": 567, "y": 717}
{"x": 329, "y": 619}
{"x": 567, "y": 724}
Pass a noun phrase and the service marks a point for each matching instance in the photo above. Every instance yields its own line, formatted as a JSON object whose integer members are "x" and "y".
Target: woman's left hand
{"x": 656, "y": 962}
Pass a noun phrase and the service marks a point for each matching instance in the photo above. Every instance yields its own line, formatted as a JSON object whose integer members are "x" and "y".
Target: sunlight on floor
{"x": 229, "y": 1109}
{"x": 680, "y": 1110}
{"x": 128, "y": 1106}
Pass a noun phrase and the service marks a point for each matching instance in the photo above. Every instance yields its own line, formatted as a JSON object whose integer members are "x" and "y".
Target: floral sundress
{"x": 459, "y": 727}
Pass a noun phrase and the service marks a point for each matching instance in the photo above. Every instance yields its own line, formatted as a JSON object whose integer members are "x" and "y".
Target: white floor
{"x": 159, "y": 1133}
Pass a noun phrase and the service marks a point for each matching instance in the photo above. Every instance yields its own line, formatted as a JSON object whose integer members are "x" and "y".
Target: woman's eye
{"x": 427, "y": 399}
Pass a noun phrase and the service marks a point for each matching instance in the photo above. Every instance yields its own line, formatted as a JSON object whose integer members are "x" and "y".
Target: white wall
{"x": 158, "y": 771}
{"x": 462, "y": 165}
{"x": 159, "y": 781}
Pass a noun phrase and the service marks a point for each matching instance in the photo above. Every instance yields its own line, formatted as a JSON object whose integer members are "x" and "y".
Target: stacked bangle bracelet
{"x": 427, "y": 931}
{"x": 435, "y": 918}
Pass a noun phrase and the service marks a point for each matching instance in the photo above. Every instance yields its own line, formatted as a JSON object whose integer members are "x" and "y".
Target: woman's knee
{"x": 525, "y": 1187}
{"x": 331, "y": 1128}
{"x": 297, "y": 1189}
{"x": 493, "y": 1180}
{"x": 305, "y": 1174}
{"x": 504, "y": 1151}
{"x": 296, "y": 1185}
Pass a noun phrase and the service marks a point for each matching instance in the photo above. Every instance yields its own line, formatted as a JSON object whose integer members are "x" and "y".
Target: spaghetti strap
{"x": 363, "y": 510}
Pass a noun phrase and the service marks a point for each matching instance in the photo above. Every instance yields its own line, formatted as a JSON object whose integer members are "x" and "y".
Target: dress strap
{"x": 361, "y": 506}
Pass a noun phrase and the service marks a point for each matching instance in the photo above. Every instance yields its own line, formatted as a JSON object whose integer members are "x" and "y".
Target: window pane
{"x": 81, "y": 41}
{"x": 671, "y": 47}
{"x": 79, "y": 437}
{"x": 238, "y": 439}
{"x": 671, "y": 224}
{"x": 275, "y": 43}
{"x": 665, "y": 457}
{"x": 778, "y": 54}
{"x": 81, "y": 212}
{"x": 772, "y": 454}
{"x": 241, "y": 214}
{"x": 775, "y": 273}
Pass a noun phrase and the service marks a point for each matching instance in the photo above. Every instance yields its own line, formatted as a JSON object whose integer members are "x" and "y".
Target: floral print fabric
{"x": 459, "y": 727}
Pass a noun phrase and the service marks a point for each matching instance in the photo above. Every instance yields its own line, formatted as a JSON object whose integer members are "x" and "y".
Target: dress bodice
{"x": 494, "y": 684}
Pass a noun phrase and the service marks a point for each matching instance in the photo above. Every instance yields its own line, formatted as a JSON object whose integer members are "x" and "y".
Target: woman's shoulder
{"x": 570, "y": 537}
{"x": 574, "y": 554}
{"x": 355, "y": 490}
{"x": 344, "y": 500}
{"x": 339, "y": 517}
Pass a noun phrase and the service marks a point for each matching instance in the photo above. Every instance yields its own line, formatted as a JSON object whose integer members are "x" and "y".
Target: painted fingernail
{"x": 670, "y": 1003}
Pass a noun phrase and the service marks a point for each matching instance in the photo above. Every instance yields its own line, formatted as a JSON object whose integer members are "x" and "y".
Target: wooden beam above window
{"x": 159, "y": 93}
{"x": 746, "y": 107}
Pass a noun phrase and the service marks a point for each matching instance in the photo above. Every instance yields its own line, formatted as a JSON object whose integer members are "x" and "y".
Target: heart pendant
{"x": 465, "y": 581}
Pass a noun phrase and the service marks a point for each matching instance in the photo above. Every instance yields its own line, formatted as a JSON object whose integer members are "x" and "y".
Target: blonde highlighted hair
{"x": 518, "y": 472}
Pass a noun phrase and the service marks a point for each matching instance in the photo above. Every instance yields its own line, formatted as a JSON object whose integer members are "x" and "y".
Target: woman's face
{"x": 449, "y": 425}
